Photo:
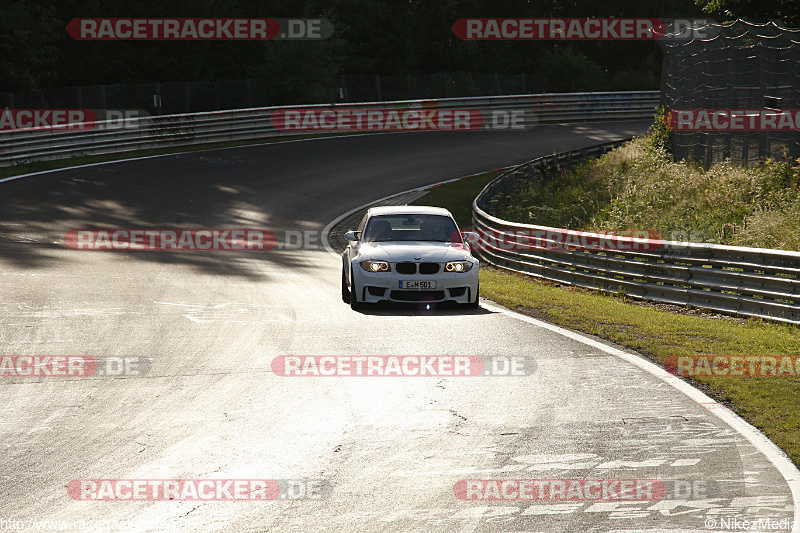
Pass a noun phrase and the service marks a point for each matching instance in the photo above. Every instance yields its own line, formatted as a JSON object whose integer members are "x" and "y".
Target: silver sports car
{"x": 408, "y": 254}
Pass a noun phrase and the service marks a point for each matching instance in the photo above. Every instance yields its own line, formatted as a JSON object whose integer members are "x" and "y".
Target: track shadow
{"x": 420, "y": 309}
{"x": 188, "y": 191}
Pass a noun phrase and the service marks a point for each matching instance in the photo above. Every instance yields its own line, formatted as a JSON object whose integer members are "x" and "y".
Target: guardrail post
{"x": 157, "y": 103}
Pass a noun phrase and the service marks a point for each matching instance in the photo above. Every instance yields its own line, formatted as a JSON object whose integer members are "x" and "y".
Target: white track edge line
{"x": 11, "y": 178}
{"x": 768, "y": 448}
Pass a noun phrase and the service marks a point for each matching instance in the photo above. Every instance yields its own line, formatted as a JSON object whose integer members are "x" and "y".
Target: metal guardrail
{"x": 748, "y": 282}
{"x": 21, "y": 146}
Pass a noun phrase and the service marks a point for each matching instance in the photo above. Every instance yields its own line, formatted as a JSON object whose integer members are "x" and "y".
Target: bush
{"x": 660, "y": 138}
{"x": 638, "y": 186}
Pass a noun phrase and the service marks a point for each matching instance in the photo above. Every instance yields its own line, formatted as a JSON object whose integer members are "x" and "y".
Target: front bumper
{"x": 385, "y": 286}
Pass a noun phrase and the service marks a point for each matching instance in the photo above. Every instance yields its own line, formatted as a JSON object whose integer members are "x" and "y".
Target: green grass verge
{"x": 770, "y": 404}
{"x": 41, "y": 166}
{"x": 457, "y": 196}
{"x": 638, "y": 186}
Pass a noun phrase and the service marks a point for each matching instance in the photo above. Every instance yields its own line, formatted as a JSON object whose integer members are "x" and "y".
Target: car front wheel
{"x": 354, "y": 303}
{"x": 345, "y": 290}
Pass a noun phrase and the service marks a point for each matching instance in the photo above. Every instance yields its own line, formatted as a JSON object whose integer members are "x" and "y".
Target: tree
{"x": 786, "y": 11}
{"x": 28, "y": 33}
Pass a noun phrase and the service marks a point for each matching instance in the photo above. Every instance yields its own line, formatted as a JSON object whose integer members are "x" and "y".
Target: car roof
{"x": 408, "y": 210}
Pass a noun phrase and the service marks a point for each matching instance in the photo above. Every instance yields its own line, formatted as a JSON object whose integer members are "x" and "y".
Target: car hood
{"x": 394, "y": 251}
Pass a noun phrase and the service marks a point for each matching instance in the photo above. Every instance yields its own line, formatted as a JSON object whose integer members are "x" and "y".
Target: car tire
{"x": 345, "y": 290}
{"x": 354, "y": 303}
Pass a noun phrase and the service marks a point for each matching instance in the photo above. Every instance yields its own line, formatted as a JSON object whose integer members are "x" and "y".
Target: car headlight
{"x": 375, "y": 266}
{"x": 457, "y": 266}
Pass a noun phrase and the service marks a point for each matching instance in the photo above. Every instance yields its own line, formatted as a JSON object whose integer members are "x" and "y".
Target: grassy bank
{"x": 637, "y": 186}
{"x": 458, "y": 195}
{"x": 770, "y": 404}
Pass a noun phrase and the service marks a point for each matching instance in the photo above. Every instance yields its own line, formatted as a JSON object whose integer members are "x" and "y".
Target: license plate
{"x": 418, "y": 285}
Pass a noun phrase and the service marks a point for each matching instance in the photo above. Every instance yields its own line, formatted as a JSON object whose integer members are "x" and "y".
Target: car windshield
{"x": 435, "y": 228}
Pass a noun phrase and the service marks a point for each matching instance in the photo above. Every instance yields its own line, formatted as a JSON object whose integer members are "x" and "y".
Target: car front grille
{"x": 412, "y": 268}
{"x": 416, "y": 296}
{"x": 406, "y": 268}
{"x": 428, "y": 268}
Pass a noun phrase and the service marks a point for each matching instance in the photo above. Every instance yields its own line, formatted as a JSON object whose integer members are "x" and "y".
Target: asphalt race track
{"x": 391, "y": 449}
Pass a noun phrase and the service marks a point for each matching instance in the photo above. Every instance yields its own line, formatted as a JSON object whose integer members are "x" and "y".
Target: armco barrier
{"x": 20, "y": 146}
{"x": 749, "y": 282}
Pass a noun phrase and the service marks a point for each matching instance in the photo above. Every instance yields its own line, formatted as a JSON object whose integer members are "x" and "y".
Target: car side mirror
{"x": 471, "y": 237}
{"x": 352, "y": 235}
